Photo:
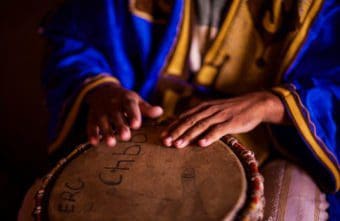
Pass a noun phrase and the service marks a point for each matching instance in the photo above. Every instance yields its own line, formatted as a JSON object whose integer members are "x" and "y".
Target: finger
{"x": 165, "y": 132}
{"x": 199, "y": 108}
{"x": 175, "y": 129}
{"x": 149, "y": 110}
{"x": 194, "y": 110}
{"x": 107, "y": 132}
{"x": 184, "y": 116}
{"x": 167, "y": 139}
{"x": 241, "y": 123}
{"x": 133, "y": 112}
{"x": 122, "y": 128}
{"x": 215, "y": 133}
{"x": 198, "y": 129}
{"x": 183, "y": 126}
{"x": 92, "y": 130}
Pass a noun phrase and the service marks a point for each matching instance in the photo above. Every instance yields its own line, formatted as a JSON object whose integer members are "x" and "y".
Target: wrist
{"x": 273, "y": 109}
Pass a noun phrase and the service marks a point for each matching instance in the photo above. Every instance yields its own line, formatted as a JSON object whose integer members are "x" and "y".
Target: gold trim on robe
{"x": 177, "y": 62}
{"x": 301, "y": 123}
{"x": 300, "y": 38}
{"x": 214, "y": 56}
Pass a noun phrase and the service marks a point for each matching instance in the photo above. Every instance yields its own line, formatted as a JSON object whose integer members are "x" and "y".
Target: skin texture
{"x": 114, "y": 111}
{"x": 209, "y": 121}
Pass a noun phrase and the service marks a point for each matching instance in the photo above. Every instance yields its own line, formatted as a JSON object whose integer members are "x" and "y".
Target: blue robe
{"x": 88, "y": 39}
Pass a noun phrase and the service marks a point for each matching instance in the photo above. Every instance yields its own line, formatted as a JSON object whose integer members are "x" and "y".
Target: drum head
{"x": 143, "y": 180}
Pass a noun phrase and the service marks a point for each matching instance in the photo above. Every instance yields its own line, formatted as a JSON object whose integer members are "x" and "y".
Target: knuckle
{"x": 179, "y": 131}
{"x": 218, "y": 128}
{"x": 226, "y": 114}
{"x": 130, "y": 101}
{"x": 105, "y": 126}
{"x": 189, "y": 121}
{"x": 202, "y": 124}
{"x": 170, "y": 127}
{"x": 187, "y": 138}
{"x": 176, "y": 132}
{"x": 124, "y": 128}
{"x": 221, "y": 116}
{"x": 185, "y": 115}
{"x": 201, "y": 105}
{"x": 212, "y": 109}
{"x": 192, "y": 134}
{"x": 132, "y": 95}
{"x": 223, "y": 113}
{"x": 105, "y": 129}
{"x": 204, "y": 103}
{"x": 181, "y": 116}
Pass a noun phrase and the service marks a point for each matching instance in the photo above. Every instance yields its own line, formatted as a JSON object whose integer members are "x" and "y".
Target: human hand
{"x": 210, "y": 121}
{"x": 114, "y": 111}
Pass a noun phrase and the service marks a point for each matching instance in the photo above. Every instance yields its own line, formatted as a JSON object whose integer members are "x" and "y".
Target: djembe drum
{"x": 143, "y": 180}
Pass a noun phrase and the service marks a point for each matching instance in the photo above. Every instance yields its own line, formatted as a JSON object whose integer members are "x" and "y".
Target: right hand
{"x": 114, "y": 111}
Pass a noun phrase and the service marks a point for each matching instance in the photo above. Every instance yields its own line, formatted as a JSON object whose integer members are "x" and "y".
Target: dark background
{"x": 23, "y": 115}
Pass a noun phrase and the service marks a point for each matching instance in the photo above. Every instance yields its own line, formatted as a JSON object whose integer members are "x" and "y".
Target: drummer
{"x": 265, "y": 71}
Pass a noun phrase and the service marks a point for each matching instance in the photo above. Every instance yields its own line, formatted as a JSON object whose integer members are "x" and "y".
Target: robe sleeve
{"x": 100, "y": 42}
{"x": 75, "y": 65}
{"x": 311, "y": 93}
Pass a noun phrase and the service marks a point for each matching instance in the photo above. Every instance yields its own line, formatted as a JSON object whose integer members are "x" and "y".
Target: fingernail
{"x": 135, "y": 124}
{"x": 125, "y": 135}
{"x": 111, "y": 142}
{"x": 159, "y": 110}
{"x": 203, "y": 142}
{"x": 181, "y": 144}
{"x": 94, "y": 141}
{"x": 178, "y": 142}
{"x": 168, "y": 141}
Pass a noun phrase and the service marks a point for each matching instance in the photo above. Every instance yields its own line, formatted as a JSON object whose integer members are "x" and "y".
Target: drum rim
{"x": 252, "y": 209}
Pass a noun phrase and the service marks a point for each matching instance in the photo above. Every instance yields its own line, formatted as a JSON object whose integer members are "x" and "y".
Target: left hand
{"x": 212, "y": 120}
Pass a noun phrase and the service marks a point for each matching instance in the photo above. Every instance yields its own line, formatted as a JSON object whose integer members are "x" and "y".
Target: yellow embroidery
{"x": 272, "y": 25}
{"x": 299, "y": 39}
{"x": 177, "y": 63}
{"x": 206, "y": 75}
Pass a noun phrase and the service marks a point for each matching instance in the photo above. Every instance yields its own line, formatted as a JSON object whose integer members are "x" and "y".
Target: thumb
{"x": 150, "y": 111}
